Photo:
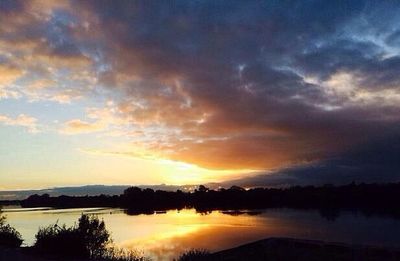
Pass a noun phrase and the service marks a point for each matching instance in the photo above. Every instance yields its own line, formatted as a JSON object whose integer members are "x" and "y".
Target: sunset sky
{"x": 188, "y": 92}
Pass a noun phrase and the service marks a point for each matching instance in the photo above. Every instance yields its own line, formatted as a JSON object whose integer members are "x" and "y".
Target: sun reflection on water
{"x": 175, "y": 232}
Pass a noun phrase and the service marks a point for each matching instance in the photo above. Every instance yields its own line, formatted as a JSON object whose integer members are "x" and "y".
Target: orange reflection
{"x": 176, "y": 232}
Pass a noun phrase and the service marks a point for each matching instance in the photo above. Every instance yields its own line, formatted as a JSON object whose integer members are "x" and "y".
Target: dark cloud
{"x": 374, "y": 162}
{"x": 8, "y": 6}
{"x": 236, "y": 76}
{"x": 233, "y": 84}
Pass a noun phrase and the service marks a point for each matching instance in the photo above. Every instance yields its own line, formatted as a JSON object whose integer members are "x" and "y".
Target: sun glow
{"x": 182, "y": 173}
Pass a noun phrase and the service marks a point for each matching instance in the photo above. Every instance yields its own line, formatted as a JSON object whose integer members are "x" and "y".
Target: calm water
{"x": 165, "y": 235}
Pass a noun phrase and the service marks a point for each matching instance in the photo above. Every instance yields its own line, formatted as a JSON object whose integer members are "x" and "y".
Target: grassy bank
{"x": 299, "y": 250}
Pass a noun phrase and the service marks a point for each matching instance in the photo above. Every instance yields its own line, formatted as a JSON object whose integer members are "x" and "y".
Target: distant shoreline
{"x": 369, "y": 199}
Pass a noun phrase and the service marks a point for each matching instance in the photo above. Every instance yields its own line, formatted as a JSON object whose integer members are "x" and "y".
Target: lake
{"x": 163, "y": 236}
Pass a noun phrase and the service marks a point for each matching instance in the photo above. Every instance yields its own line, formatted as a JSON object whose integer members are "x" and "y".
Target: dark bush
{"x": 88, "y": 239}
{"x": 9, "y": 237}
{"x": 120, "y": 254}
{"x": 194, "y": 255}
{"x": 60, "y": 241}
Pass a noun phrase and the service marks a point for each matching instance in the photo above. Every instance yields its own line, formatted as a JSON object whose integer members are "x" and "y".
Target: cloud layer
{"x": 260, "y": 85}
{"x": 21, "y": 120}
{"x": 375, "y": 162}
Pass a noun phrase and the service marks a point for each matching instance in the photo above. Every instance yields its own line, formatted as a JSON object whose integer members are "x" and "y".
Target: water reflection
{"x": 163, "y": 235}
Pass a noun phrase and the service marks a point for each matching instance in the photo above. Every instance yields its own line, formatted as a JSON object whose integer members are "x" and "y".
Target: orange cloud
{"x": 77, "y": 126}
{"x": 8, "y": 74}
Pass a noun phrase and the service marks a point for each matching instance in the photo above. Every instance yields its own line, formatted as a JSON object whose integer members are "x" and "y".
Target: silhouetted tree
{"x": 9, "y": 236}
{"x": 202, "y": 188}
{"x": 94, "y": 234}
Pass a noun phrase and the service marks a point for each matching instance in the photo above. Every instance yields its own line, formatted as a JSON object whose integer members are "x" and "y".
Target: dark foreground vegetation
{"x": 9, "y": 237}
{"x": 88, "y": 240}
{"x": 368, "y": 198}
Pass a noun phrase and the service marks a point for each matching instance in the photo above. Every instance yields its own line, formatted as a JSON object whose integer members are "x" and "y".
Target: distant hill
{"x": 90, "y": 190}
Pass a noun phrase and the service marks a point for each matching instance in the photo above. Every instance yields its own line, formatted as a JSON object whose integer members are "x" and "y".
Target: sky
{"x": 189, "y": 92}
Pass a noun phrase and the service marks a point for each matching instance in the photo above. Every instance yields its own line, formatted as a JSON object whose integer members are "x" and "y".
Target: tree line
{"x": 369, "y": 198}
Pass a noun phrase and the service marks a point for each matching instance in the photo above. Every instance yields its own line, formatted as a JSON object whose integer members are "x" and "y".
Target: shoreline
{"x": 307, "y": 250}
{"x": 274, "y": 248}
